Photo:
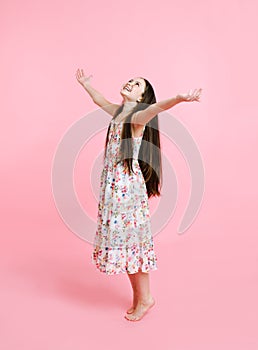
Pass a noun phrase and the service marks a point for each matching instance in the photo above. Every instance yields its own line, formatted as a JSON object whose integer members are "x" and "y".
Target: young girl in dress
{"x": 130, "y": 176}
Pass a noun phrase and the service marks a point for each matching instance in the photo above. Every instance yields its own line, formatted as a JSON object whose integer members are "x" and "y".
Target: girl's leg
{"x": 133, "y": 283}
{"x": 143, "y": 296}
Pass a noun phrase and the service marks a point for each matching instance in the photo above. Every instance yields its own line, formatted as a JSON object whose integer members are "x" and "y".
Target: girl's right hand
{"x": 82, "y": 79}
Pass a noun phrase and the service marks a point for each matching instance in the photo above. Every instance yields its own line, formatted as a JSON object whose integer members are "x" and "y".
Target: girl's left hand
{"x": 192, "y": 95}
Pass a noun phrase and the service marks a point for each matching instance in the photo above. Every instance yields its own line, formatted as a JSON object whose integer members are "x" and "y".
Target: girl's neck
{"x": 127, "y": 109}
{"x": 128, "y": 106}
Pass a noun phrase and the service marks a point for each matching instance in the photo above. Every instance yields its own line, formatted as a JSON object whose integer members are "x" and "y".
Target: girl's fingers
{"x": 78, "y": 74}
{"x": 194, "y": 95}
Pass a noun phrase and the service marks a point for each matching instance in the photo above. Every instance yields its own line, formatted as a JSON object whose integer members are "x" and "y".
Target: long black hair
{"x": 149, "y": 156}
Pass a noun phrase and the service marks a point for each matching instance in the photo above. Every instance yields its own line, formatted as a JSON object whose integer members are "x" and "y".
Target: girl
{"x": 130, "y": 176}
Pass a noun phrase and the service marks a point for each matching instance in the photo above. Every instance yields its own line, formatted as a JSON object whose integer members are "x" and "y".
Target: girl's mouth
{"x": 127, "y": 88}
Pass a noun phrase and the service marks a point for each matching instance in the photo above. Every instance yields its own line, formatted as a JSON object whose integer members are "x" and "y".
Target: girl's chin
{"x": 123, "y": 95}
{"x": 124, "y": 92}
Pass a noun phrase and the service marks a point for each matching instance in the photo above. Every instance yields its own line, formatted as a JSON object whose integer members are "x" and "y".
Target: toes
{"x": 137, "y": 313}
{"x": 130, "y": 311}
{"x": 131, "y": 317}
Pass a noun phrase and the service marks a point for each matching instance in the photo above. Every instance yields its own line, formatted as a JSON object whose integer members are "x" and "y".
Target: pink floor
{"x": 52, "y": 297}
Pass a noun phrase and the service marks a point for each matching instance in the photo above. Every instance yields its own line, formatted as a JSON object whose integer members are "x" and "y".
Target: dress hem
{"x": 124, "y": 270}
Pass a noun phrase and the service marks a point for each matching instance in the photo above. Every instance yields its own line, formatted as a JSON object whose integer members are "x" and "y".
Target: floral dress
{"x": 123, "y": 241}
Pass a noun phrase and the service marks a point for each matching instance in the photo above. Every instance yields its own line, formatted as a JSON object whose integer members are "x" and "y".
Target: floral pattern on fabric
{"x": 123, "y": 241}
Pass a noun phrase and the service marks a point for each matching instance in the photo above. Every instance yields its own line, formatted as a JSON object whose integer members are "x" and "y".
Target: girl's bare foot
{"x": 140, "y": 310}
{"x": 129, "y": 311}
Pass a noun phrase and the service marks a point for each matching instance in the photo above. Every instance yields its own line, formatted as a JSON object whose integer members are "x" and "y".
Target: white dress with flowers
{"x": 123, "y": 241}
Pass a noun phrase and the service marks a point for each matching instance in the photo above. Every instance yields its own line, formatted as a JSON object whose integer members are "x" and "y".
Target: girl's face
{"x": 133, "y": 89}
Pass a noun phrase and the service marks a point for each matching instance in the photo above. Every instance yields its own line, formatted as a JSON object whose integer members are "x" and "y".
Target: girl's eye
{"x": 138, "y": 84}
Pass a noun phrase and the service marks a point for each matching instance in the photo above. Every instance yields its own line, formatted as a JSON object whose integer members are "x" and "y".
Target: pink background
{"x": 206, "y": 286}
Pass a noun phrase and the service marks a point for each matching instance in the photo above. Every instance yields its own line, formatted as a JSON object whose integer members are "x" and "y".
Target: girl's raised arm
{"x": 144, "y": 116}
{"x": 96, "y": 96}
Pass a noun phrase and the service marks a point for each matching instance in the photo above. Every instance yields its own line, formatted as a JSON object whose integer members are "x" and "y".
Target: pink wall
{"x": 206, "y": 285}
